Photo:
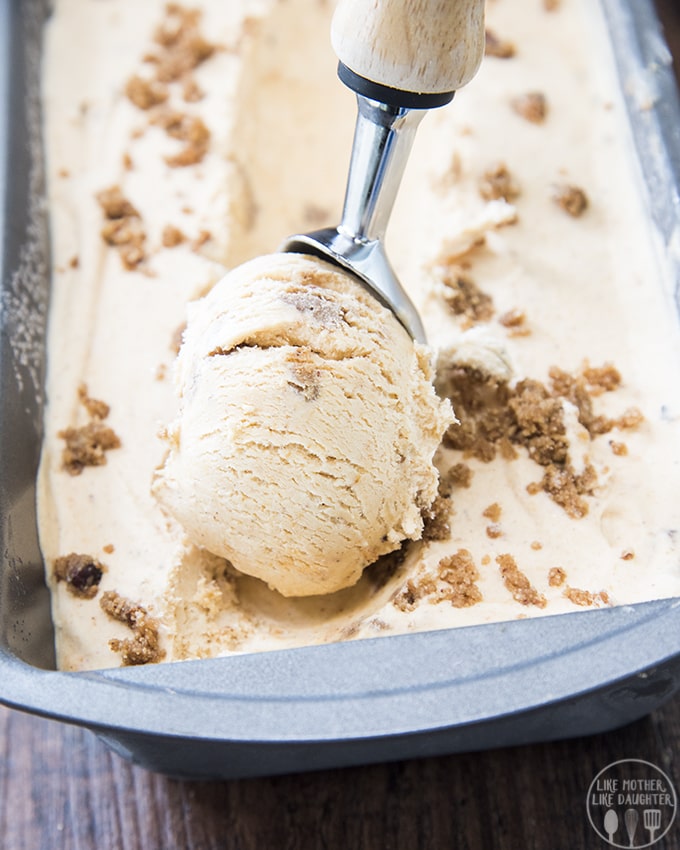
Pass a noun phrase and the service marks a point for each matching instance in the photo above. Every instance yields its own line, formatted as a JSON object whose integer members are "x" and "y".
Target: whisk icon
{"x": 630, "y": 819}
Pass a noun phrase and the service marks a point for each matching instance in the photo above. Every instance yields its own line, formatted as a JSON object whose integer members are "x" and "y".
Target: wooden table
{"x": 62, "y": 789}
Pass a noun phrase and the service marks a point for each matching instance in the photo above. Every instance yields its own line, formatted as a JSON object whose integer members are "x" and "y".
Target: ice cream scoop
{"x": 308, "y": 422}
{"x": 401, "y": 58}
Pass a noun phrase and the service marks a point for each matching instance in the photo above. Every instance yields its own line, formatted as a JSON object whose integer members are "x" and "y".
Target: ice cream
{"x": 521, "y": 234}
{"x": 308, "y": 423}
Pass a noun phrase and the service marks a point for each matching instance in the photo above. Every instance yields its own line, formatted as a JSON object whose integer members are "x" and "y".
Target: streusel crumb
{"x": 571, "y": 199}
{"x": 497, "y": 182}
{"x": 144, "y": 645}
{"x": 518, "y": 584}
{"x": 82, "y": 574}
{"x": 556, "y": 577}
{"x": 499, "y": 47}
{"x": 531, "y": 106}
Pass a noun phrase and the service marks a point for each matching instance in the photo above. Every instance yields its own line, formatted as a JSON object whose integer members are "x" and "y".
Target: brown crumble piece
{"x": 128, "y": 236}
{"x": 574, "y": 388}
{"x": 513, "y": 318}
{"x": 95, "y": 407}
{"x": 109, "y": 548}
{"x": 536, "y": 545}
{"x": 143, "y": 647}
{"x": 458, "y": 475}
{"x": 601, "y": 379}
{"x": 493, "y": 512}
{"x": 566, "y": 488}
{"x": 455, "y": 582}
{"x": 631, "y": 418}
{"x": 494, "y": 531}
{"x": 349, "y": 631}
{"x": 115, "y": 205}
{"x": 128, "y": 164}
{"x": 506, "y": 450}
{"x": 191, "y": 91}
{"x": 519, "y": 332}
{"x": 305, "y": 374}
{"x": 531, "y": 106}
{"x": 183, "y": 48}
{"x": 481, "y": 405}
{"x": 619, "y": 449}
{"x": 497, "y": 182}
{"x": 185, "y": 128}
{"x": 577, "y": 390}
{"x": 518, "y": 584}
{"x": 539, "y": 423}
{"x": 314, "y": 303}
{"x": 82, "y": 574}
{"x": 87, "y": 445}
{"x": 515, "y": 321}
{"x": 459, "y": 572}
{"x": 571, "y": 199}
{"x": 197, "y": 138}
{"x": 172, "y": 236}
{"x": 498, "y": 47}
{"x": 200, "y": 240}
{"x": 493, "y": 415}
{"x": 486, "y": 560}
{"x": 145, "y": 93}
{"x": 123, "y": 228}
{"x": 465, "y": 298}
{"x": 585, "y": 598}
{"x": 551, "y": 5}
{"x": 63, "y": 172}
{"x": 556, "y": 577}
{"x": 74, "y": 262}
{"x": 436, "y": 525}
{"x": 412, "y": 592}
{"x": 627, "y": 555}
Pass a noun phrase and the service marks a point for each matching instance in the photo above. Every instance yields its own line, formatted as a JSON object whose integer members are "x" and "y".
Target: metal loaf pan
{"x": 346, "y": 703}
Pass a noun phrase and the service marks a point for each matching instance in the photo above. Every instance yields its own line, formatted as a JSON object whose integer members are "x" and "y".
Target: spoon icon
{"x": 611, "y": 823}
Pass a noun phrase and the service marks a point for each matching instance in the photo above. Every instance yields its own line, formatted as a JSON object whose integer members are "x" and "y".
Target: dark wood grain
{"x": 669, "y": 14}
{"x": 62, "y": 789}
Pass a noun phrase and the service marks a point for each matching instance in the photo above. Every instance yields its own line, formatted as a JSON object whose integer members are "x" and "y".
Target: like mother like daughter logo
{"x": 631, "y": 803}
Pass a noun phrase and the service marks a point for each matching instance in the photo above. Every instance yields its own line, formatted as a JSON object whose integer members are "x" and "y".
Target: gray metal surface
{"x": 347, "y": 703}
{"x": 383, "y": 138}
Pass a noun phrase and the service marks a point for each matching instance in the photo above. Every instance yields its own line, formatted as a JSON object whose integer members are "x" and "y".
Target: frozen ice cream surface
{"x": 183, "y": 142}
{"x": 307, "y": 427}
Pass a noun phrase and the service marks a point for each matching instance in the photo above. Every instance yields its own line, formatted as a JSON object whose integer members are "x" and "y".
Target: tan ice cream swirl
{"x": 307, "y": 426}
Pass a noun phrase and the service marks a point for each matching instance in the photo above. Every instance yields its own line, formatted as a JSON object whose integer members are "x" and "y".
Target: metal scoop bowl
{"x": 382, "y": 141}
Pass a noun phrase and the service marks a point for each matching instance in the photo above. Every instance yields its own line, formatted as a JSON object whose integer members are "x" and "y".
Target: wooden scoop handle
{"x": 426, "y": 47}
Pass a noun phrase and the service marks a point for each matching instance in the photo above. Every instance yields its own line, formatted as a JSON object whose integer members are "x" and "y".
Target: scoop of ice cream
{"x": 307, "y": 425}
